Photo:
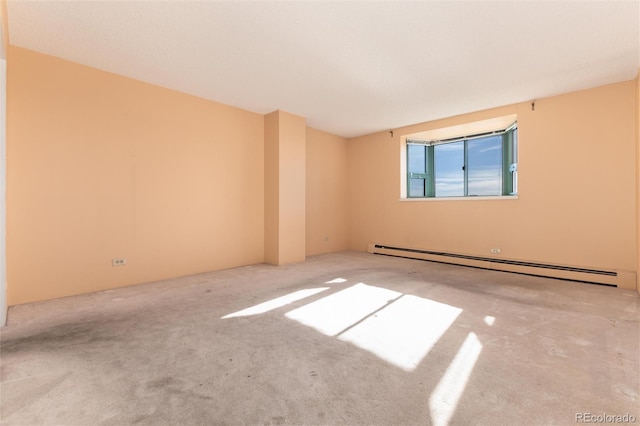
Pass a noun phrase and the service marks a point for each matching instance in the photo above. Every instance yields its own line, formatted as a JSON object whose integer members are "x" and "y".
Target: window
{"x": 484, "y": 164}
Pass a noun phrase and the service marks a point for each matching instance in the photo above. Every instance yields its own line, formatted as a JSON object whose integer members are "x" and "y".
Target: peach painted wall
{"x": 5, "y": 25}
{"x": 327, "y": 195}
{"x": 101, "y": 166}
{"x": 271, "y": 188}
{"x": 637, "y": 82}
{"x": 4, "y": 36}
{"x": 577, "y": 188}
{"x": 284, "y": 183}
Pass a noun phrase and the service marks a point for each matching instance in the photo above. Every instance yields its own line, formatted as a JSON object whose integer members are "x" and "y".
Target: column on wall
{"x": 284, "y": 188}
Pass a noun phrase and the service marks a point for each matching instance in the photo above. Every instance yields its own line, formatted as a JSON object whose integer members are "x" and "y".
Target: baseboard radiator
{"x": 623, "y": 279}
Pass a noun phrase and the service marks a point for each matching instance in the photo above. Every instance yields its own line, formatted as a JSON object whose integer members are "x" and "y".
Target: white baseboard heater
{"x": 622, "y": 279}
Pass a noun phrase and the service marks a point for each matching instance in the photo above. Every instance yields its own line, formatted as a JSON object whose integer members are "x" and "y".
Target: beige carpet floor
{"x": 346, "y": 338}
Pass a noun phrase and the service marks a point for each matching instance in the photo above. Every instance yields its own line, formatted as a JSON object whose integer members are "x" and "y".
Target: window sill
{"x": 478, "y": 198}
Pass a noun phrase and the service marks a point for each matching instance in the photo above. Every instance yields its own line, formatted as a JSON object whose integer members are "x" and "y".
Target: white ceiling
{"x": 351, "y": 68}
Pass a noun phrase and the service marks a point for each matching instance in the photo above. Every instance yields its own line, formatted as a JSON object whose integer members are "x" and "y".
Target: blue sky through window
{"x": 449, "y": 160}
{"x": 484, "y": 159}
{"x": 484, "y": 162}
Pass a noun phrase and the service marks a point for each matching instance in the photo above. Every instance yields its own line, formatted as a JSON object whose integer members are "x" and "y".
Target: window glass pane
{"x": 484, "y": 159}
{"x": 416, "y": 187}
{"x": 515, "y": 146}
{"x": 449, "y": 160}
{"x": 515, "y": 160}
{"x": 417, "y": 158}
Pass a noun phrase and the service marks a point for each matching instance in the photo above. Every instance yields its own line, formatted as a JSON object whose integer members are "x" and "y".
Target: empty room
{"x": 319, "y": 212}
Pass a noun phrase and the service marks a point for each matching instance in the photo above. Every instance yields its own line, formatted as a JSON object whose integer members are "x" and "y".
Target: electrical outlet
{"x": 121, "y": 261}
{"x": 495, "y": 250}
